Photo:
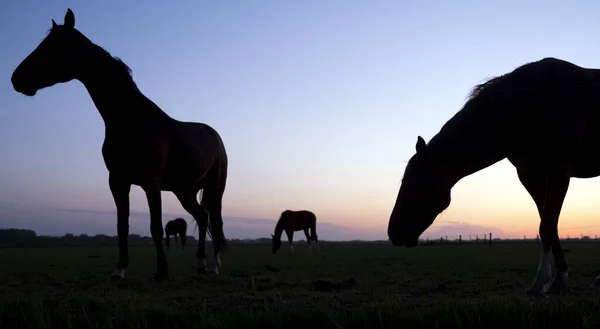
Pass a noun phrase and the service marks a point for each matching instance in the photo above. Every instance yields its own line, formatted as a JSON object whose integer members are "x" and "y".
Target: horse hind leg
{"x": 213, "y": 207}
{"x": 307, "y": 238}
{"x": 314, "y": 237}
{"x": 212, "y": 202}
{"x": 548, "y": 193}
{"x": 190, "y": 204}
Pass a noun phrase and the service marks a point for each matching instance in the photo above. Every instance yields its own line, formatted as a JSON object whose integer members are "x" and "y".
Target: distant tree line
{"x": 23, "y": 237}
{"x": 13, "y": 237}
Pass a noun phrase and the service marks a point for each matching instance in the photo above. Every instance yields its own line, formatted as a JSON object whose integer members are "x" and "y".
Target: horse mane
{"x": 492, "y": 84}
{"x": 483, "y": 87}
{"x": 280, "y": 221}
{"x": 113, "y": 60}
{"x": 119, "y": 64}
{"x": 478, "y": 94}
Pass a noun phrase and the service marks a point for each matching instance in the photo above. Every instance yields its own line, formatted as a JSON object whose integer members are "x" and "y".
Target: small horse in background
{"x": 174, "y": 227}
{"x": 290, "y": 221}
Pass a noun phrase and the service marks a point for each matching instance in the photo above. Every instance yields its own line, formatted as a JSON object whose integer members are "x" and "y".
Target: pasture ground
{"x": 344, "y": 286}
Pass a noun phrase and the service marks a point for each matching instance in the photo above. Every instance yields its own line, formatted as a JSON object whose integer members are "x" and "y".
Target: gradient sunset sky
{"x": 319, "y": 104}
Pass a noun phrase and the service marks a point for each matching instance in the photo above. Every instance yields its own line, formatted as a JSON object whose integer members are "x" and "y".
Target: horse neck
{"x": 279, "y": 228}
{"x": 472, "y": 140}
{"x": 114, "y": 92}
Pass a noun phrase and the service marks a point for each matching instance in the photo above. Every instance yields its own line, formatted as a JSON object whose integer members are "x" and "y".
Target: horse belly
{"x": 587, "y": 164}
{"x": 183, "y": 172}
{"x": 136, "y": 161}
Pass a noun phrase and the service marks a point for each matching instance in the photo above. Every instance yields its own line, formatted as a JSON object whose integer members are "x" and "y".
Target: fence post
{"x": 490, "y": 239}
{"x": 460, "y": 240}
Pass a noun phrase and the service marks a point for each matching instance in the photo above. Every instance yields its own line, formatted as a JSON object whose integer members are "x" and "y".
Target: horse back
{"x": 300, "y": 219}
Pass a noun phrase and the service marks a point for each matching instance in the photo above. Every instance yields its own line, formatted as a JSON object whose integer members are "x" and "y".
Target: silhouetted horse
{"x": 174, "y": 227}
{"x": 291, "y": 221}
{"x": 142, "y": 146}
{"x": 545, "y": 118}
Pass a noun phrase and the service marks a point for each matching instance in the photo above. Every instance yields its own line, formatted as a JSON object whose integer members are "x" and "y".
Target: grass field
{"x": 343, "y": 286}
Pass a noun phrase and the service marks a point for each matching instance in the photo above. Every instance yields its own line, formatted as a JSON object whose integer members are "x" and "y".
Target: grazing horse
{"x": 143, "y": 145}
{"x": 290, "y": 221}
{"x": 544, "y": 117}
{"x": 174, "y": 227}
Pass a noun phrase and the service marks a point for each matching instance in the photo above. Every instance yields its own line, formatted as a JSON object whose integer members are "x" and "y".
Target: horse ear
{"x": 421, "y": 146}
{"x": 69, "y": 19}
{"x": 54, "y": 24}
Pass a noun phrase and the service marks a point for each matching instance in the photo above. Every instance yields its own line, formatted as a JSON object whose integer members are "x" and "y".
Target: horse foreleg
{"x": 153, "y": 195}
{"x": 549, "y": 207}
{"x": 120, "y": 192}
{"x": 175, "y": 238}
{"x": 290, "y": 235}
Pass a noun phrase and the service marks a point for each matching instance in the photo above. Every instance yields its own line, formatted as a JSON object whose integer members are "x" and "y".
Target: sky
{"x": 319, "y": 104}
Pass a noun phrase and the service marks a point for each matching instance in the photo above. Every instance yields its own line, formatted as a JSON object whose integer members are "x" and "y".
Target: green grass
{"x": 373, "y": 286}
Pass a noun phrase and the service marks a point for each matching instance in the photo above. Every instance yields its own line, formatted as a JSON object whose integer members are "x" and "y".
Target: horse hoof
{"x": 534, "y": 292}
{"x": 115, "y": 277}
{"x": 214, "y": 271}
{"x": 160, "y": 277}
{"x": 558, "y": 288}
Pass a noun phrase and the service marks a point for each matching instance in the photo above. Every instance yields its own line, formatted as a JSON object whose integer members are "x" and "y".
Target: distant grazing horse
{"x": 174, "y": 227}
{"x": 291, "y": 221}
{"x": 142, "y": 146}
{"x": 544, "y": 117}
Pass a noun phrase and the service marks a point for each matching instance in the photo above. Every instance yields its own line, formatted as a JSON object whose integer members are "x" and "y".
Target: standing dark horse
{"x": 544, "y": 117}
{"x": 142, "y": 146}
{"x": 174, "y": 227}
{"x": 290, "y": 221}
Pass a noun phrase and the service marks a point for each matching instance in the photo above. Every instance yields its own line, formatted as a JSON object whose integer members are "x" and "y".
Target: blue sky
{"x": 319, "y": 104}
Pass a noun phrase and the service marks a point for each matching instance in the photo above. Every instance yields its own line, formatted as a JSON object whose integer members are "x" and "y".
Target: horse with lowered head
{"x": 544, "y": 117}
{"x": 143, "y": 145}
{"x": 175, "y": 227}
{"x": 291, "y": 221}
